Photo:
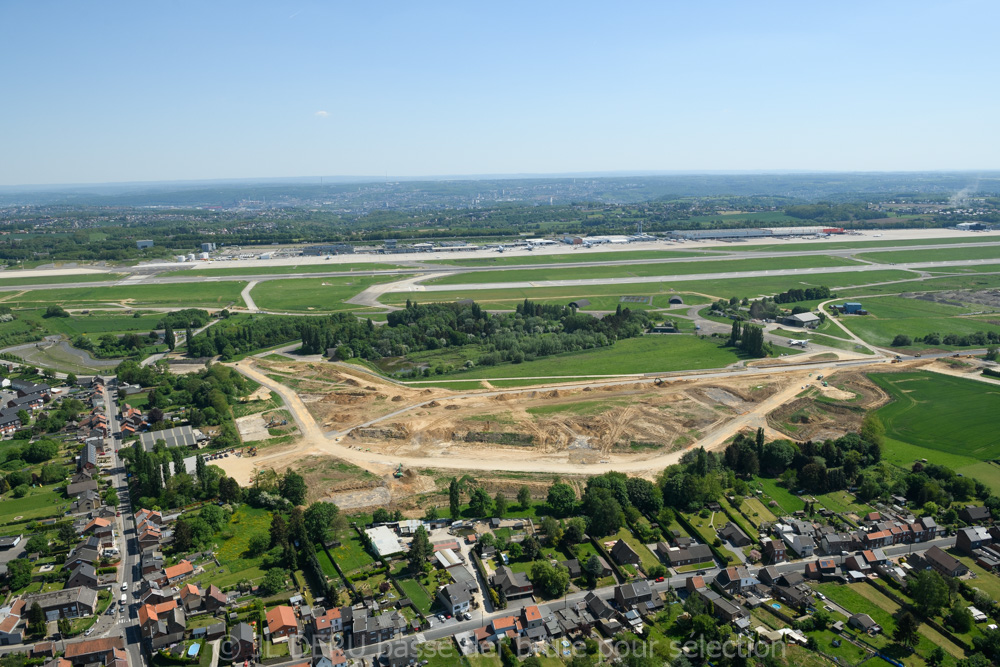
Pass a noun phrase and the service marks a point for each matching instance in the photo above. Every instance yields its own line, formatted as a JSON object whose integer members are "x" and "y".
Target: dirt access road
{"x": 316, "y": 442}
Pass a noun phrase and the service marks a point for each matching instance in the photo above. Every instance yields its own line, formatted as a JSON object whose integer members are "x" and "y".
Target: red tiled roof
{"x": 178, "y": 570}
{"x": 88, "y": 646}
{"x": 281, "y": 617}
{"x": 326, "y": 620}
{"x": 8, "y": 624}
{"x": 532, "y": 614}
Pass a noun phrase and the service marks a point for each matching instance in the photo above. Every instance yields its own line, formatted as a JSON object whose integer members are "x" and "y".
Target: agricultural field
{"x": 892, "y": 315}
{"x": 635, "y": 270}
{"x": 941, "y": 413}
{"x": 313, "y": 294}
{"x": 219, "y": 294}
{"x": 213, "y": 271}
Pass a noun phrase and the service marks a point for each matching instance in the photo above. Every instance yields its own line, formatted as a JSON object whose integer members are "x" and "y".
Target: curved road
{"x": 316, "y": 441}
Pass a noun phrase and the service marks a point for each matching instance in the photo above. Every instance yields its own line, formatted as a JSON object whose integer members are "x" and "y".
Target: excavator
{"x": 399, "y": 472}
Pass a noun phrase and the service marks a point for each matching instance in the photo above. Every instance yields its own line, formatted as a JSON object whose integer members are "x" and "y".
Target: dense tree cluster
{"x": 208, "y": 392}
{"x": 749, "y": 339}
{"x": 532, "y": 331}
{"x": 807, "y": 294}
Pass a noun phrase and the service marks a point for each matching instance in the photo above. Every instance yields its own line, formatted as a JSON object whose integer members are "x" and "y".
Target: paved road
{"x": 149, "y": 274}
{"x": 481, "y": 617}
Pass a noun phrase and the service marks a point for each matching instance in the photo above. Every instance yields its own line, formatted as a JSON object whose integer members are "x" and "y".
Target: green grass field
{"x": 941, "y": 413}
{"x": 958, "y": 282}
{"x": 788, "y": 501}
{"x": 326, "y": 564}
{"x": 720, "y": 288}
{"x": 847, "y": 245}
{"x": 416, "y": 593}
{"x": 40, "y": 502}
{"x": 313, "y": 294}
{"x": 520, "y": 258}
{"x": 94, "y": 323}
{"x": 647, "y": 354}
{"x": 578, "y": 408}
{"x": 635, "y": 270}
{"x": 892, "y": 315}
{"x": 940, "y": 255}
{"x": 189, "y": 295}
{"x": 14, "y": 278}
{"x": 213, "y": 271}
{"x": 350, "y": 555}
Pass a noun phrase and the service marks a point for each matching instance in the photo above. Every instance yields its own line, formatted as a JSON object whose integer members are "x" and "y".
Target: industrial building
{"x": 757, "y": 232}
{"x": 804, "y": 320}
{"x": 179, "y": 436}
{"x": 329, "y": 249}
{"x": 850, "y": 308}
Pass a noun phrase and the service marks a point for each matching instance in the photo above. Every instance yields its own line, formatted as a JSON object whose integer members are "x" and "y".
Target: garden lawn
{"x": 755, "y": 509}
{"x": 841, "y": 502}
{"x": 40, "y": 502}
{"x": 646, "y": 557}
{"x": 788, "y": 501}
{"x": 351, "y": 555}
{"x": 413, "y": 590}
{"x": 326, "y": 564}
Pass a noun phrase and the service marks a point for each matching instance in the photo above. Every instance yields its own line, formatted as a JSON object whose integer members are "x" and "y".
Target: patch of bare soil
{"x": 831, "y": 411}
{"x": 989, "y": 298}
{"x": 635, "y": 418}
{"x": 252, "y": 428}
{"x": 337, "y": 395}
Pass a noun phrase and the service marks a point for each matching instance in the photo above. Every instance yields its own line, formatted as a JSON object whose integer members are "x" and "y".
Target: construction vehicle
{"x": 897, "y": 360}
{"x": 252, "y": 451}
{"x": 399, "y": 472}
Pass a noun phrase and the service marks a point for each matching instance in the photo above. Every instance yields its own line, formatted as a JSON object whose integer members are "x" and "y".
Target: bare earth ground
{"x": 351, "y": 420}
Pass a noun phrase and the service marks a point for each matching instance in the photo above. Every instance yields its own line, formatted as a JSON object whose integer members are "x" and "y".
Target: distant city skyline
{"x": 119, "y": 92}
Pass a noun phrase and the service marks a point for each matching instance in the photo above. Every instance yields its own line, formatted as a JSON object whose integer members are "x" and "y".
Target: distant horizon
{"x": 363, "y": 179}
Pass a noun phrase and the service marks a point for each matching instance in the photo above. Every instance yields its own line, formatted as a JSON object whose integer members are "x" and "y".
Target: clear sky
{"x": 138, "y": 91}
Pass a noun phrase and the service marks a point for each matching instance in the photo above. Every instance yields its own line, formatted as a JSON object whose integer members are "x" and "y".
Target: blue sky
{"x": 137, "y": 91}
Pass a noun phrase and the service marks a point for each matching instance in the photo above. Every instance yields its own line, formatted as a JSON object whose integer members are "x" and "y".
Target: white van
{"x": 124, "y": 598}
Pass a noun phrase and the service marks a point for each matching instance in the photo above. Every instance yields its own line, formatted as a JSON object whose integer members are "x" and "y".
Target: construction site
{"x": 362, "y": 441}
